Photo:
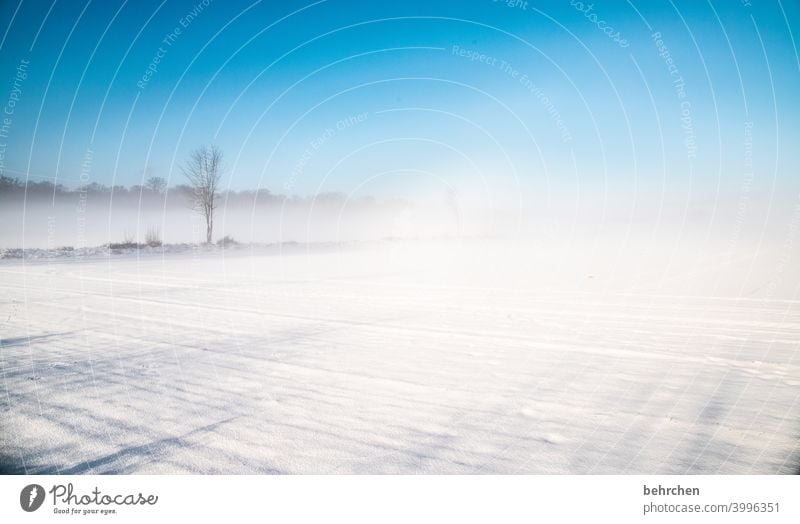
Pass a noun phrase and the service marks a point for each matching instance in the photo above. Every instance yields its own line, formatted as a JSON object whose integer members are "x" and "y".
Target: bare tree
{"x": 156, "y": 184}
{"x": 203, "y": 171}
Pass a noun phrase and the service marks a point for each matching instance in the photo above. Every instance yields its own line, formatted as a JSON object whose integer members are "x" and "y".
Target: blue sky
{"x": 375, "y": 97}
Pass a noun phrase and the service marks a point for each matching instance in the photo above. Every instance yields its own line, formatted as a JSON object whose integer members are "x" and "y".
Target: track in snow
{"x": 381, "y": 361}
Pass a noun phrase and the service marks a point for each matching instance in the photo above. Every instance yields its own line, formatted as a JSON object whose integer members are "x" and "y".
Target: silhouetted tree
{"x": 8, "y": 183}
{"x": 203, "y": 171}
{"x": 156, "y": 184}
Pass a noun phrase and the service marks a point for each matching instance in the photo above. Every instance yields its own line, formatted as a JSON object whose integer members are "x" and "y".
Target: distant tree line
{"x": 154, "y": 192}
{"x": 202, "y": 171}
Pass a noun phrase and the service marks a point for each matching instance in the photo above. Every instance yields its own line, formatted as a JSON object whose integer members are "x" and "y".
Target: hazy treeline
{"x": 47, "y": 215}
{"x": 155, "y": 193}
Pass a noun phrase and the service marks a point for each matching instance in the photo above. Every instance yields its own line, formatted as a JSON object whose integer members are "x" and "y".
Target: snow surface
{"x": 401, "y": 357}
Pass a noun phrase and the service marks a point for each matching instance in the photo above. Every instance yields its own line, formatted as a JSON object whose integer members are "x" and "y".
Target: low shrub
{"x": 226, "y": 241}
{"x": 153, "y": 237}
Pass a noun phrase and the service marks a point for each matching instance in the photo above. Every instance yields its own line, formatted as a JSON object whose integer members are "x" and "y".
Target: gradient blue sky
{"x": 264, "y": 84}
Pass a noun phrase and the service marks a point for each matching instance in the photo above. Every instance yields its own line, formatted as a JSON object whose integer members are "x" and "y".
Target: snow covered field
{"x": 450, "y": 357}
